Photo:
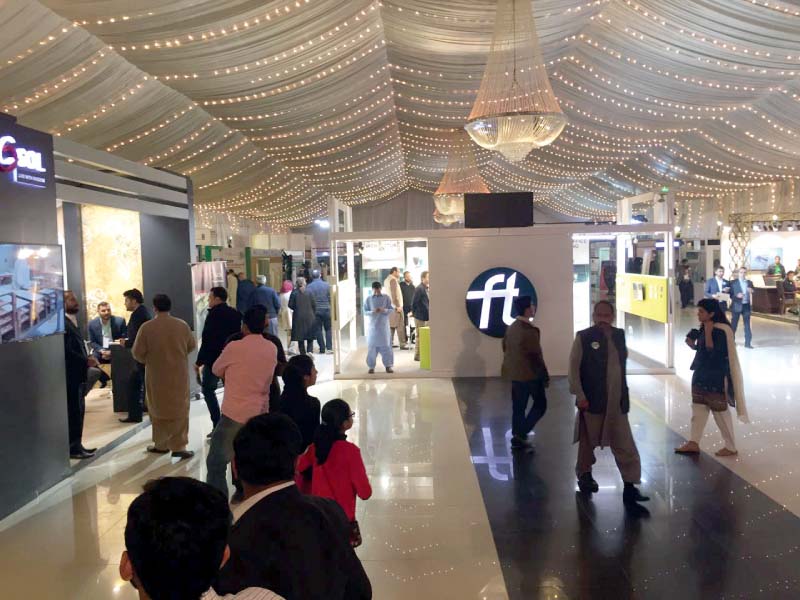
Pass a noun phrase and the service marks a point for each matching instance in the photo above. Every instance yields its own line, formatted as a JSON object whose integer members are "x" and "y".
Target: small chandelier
{"x": 516, "y": 110}
{"x": 460, "y": 177}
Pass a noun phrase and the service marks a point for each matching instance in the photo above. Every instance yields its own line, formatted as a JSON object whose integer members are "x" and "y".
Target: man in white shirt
{"x": 176, "y": 542}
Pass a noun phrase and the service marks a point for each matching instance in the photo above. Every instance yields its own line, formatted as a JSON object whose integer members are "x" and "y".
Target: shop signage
{"x": 26, "y": 166}
{"x": 490, "y": 299}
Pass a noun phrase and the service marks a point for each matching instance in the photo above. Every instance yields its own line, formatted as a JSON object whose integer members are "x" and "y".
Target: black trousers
{"x": 136, "y": 394}
{"x": 210, "y": 384}
{"x": 687, "y": 293}
{"x": 323, "y": 326}
{"x": 522, "y": 424}
{"x": 76, "y": 407}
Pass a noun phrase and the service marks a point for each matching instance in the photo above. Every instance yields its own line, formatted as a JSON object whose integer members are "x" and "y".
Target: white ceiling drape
{"x": 274, "y": 107}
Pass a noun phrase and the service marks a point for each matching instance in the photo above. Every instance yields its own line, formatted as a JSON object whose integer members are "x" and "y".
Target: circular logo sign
{"x": 490, "y": 299}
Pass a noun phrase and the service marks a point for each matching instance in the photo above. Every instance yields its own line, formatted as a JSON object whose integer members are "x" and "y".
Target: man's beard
{"x": 72, "y": 311}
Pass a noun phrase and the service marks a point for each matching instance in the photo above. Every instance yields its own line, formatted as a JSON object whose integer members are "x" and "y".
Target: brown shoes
{"x": 725, "y": 452}
{"x": 688, "y": 448}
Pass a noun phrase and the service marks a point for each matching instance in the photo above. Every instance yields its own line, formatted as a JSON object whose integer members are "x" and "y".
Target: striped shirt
{"x": 251, "y": 593}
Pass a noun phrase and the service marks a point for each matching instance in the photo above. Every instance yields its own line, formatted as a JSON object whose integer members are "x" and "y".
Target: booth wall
{"x": 457, "y": 347}
{"x": 33, "y": 429}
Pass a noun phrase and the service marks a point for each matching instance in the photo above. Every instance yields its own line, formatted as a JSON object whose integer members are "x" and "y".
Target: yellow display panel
{"x": 643, "y": 295}
{"x": 112, "y": 256}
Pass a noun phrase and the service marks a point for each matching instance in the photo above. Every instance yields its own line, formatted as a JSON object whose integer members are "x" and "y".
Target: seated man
{"x": 296, "y": 545}
{"x": 176, "y": 540}
{"x": 104, "y": 329}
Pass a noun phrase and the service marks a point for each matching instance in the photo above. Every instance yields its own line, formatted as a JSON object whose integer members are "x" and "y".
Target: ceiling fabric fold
{"x": 274, "y": 107}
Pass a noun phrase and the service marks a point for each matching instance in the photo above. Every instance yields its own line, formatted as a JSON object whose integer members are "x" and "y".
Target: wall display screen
{"x": 498, "y": 210}
{"x": 490, "y": 299}
{"x": 31, "y": 291}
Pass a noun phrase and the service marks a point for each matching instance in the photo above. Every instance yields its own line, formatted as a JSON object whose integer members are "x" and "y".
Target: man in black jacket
{"x": 222, "y": 322}
{"x": 420, "y": 308}
{"x": 134, "y": 302}
{"x": 77, "y": 364}
{"x": 407, "y": 289}
{"x": 295, "y": 545}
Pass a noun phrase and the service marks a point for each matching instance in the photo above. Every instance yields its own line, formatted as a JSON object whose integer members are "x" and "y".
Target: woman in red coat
{"x": 337, "y": 470}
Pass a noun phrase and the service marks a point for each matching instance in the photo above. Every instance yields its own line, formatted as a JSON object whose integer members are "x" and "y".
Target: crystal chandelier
{"x": 460, "y": 177}
{"x": 516, "y": 110}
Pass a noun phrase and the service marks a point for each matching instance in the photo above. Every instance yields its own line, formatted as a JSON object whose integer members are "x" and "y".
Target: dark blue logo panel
{"x": 490, "y": 299}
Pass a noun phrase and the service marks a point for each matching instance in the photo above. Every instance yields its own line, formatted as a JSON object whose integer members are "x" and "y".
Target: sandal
{"x": 688, "y": 448}
{"x": 726, "y": 452}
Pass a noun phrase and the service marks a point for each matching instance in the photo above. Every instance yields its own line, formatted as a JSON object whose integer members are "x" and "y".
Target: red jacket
{"x": 341, "y": 478}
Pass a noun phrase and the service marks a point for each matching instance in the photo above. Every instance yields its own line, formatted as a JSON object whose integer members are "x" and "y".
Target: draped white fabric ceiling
{"x": 273, "y": 107}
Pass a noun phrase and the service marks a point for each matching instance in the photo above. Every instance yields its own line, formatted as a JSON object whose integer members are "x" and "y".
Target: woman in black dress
{"x": 296, "y": 403}
{"x": 304, "y": 316}
{"x": 716, "y": 381}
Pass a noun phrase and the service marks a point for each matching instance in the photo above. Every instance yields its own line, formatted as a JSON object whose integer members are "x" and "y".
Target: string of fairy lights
{"x": 278, "y": 108}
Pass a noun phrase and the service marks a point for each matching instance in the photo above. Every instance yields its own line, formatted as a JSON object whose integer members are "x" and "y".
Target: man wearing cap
{"x": 523, "y": 364}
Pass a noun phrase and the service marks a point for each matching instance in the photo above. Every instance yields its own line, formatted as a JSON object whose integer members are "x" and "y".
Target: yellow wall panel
{"x": 643, "y": 295}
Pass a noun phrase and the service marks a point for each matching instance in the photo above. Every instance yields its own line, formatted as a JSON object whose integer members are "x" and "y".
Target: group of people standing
{"x": 597, "y": 379}
{"x": 301, "y": 311}
{"x": 390, "y": 313}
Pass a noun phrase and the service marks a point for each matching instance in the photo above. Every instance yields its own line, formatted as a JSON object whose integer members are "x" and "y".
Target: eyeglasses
{"x": 352, "y": 415}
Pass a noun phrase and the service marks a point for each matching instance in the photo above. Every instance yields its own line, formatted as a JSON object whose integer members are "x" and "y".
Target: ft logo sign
{"x": 490, "y": 299}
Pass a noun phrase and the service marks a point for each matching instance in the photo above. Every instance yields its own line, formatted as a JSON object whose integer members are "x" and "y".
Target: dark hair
{"x": 714, "y": 308}
{"x": 297, "y": 368}
{"x": 162, "y": 303}
{"x": 220, "y": 292}
{"x": 176, "y": 535}
{"x": 255, "y": 318}
{"x": 376, "y": 285}
{"x": 334, "y": 415}
{"x": 393, "y": 270}
{"x": 104, "y": 303}
{"x": 522, "y": 303}
{"x": 606, "y": 302}
{"x": 134, "y": 294}
{"x": 266, "y": 448}
{"x": 424, "y": 274}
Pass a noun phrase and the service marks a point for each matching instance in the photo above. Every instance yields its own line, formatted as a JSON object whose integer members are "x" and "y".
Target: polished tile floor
{"x": 426, "y": 533}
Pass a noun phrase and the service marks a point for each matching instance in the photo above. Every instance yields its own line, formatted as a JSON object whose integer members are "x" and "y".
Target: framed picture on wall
{"x": 761, "y": 259}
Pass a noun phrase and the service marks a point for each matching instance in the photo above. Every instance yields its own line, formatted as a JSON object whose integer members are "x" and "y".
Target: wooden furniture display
{"x": 123, "y": 366}
{"x": 786, "y": 299}
{"x": 766, "y": 300}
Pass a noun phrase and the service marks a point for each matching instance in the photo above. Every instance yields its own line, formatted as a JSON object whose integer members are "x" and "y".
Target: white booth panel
{"x": 457, "y": 347}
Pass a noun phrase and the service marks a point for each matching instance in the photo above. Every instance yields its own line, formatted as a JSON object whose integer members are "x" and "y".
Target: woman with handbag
{"x": 337, "y": 469}
{"x": 717, "y": 381}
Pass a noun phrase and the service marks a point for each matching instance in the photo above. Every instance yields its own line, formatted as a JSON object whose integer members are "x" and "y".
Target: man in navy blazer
{"x": 742, "y": 305}
{"x": 105, "y": 325}
{"x": 718, "y": 285}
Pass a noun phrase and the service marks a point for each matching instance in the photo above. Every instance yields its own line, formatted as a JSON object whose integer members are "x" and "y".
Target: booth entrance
{"x": 356, "y": 265}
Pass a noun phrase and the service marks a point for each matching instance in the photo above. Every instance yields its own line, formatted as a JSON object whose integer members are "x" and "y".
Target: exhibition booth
{"x": 80, "y": 219}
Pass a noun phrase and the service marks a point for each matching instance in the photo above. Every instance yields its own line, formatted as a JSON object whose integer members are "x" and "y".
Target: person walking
{"x": 717, "y": 380}
{"x": 77, "y": 362}
{"x": 247, "y": 366}
{"x": 686, "y": 287}
{"x": 742, "y": 305}
{"x": 598, "y": 381}
{"x": 378, "y": 307}
{"x": 295, "y": 401}
{"x": 285, "y": 314}
{"x": 222, "y": 322}
{"x": 337, "y": 469}
{"x": 524, "y": 366}
{"x": 420, "y": 308}
{"x": 268, "y": 298}
{"x": 244, "y": 293}
{"x": 163, "y": 346}
{"x": 134, "y": 302}
{"x": 321, "y": 292}
{"x": 304, "y": 309}
{"x": 407, "y": 289}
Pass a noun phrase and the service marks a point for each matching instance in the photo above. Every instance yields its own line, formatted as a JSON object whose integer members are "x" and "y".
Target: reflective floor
{"x": 426, "y": 533}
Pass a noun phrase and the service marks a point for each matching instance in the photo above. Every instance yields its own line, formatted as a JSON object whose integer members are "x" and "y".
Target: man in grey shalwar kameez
{"x": 597, "y": 378}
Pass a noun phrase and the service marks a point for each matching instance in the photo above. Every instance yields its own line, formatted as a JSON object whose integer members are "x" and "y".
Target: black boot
{"x": 631, "y": 495}
{"x": 587, "y": 484}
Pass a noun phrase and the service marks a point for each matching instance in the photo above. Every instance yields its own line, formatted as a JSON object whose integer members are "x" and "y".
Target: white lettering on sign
{"x": 23, "y": 162}
{"x": 489, "y": 293}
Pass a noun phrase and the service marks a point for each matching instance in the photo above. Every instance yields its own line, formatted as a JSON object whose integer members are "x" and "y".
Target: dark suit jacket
{"x": 244, "y": 295}
{"x": 420, "y": 305}
{"x": 407, "y": 289}
{"x": 712, "y": 287}
{"x": 118, "y": 330}
{"x": 268, "y": 298}
{"x": 736, "y": 303}
{"x": 222, "y": 322}
{"x": 297, "y": 546}
{"x": 75, "y": 356}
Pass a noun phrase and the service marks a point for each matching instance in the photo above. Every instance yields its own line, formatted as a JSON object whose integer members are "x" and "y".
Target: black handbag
{"x": 355, "y": 529}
